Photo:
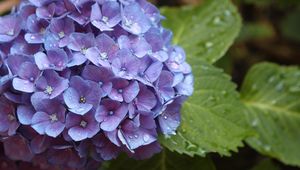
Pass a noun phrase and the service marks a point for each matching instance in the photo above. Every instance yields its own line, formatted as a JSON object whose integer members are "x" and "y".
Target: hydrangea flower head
{"x": 83, "y": 81}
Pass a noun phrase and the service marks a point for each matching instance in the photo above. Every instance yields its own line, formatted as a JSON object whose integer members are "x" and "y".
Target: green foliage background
{"x": 219, "y": 119}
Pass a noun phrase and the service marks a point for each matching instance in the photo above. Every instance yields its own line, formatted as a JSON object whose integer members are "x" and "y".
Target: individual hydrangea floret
{"x": 84, "y": 81}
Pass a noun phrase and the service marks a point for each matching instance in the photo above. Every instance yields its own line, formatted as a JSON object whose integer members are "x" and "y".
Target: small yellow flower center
{"x": 83, "y": 123}
{"x": 61, "y": 34}
{"x": 11, "y": 117}
{"x": 82, "y": 99}
{"x": 83, "y": 50}
{"x": 53, "y": 118}
{"x": 48, "y": 90}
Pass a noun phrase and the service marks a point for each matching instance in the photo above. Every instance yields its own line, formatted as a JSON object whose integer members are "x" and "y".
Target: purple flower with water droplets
{"x": 134, "y": 20}
{"x": 138, "y": 45}
{"x": 62, "y": 28}
{"x": 37, "y": 28}
{"x": 104, "y": 51}
{"x": 164, "y": 86}
{"x": 49, "y": 118}
{"x": 82, "y": 95}
{"x": 106, "y": 17}
{"x": 55, "y": 59}
{"x": 80, "y": 43}
{"x": 110, "y": 113}
{"x": 82, "y": 127}
{"x": 27, "y": 74}
{"x": 139, "y": 131}
{"x": 51, "y": 84}
{"x": 125, "y": 64}
{"x": 169, "y": 120}
{"x": 124, "y": 90}
{"x": 10, "y": 28}
{"x": 101, "y": 75}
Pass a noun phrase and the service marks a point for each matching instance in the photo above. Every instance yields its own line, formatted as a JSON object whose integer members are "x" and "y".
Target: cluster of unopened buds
{"x": 84, "y": 80}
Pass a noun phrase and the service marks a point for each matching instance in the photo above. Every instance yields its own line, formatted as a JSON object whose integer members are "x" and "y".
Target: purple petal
{"x": 39, "y": 144}
{"x": 134, "y": 20}
{"x": 131, "y": 91}
{"x": 10, "y": 28}
{"x": 17, "y": 148}
{"x": 23, "y": 85}
{"x": 25, "y": 114}
{"x": 40, "y": 121}
{"x": 55, "y": 129}
{"x": 153, "y": 71}
{"x": 78, "y": 133}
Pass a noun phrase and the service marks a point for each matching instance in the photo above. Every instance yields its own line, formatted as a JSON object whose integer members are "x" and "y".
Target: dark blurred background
{"x": 271, "y": 32}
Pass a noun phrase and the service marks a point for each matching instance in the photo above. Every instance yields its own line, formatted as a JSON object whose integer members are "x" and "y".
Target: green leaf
{"x": 212, "y": 119}
{"x": 290, "y": 26}
{"x": 166, "y": 160}
{"x": 256, "y": 31}
{"x": 205, "y": 31}
{"x": 266, "y": 164}
{"x": 272, "y": 96}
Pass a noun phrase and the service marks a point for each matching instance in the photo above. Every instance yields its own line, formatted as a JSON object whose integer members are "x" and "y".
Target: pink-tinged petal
{"x": 78, "y": 133}
{"x": 23, "y": 85}
{"x": 131, "y": 91}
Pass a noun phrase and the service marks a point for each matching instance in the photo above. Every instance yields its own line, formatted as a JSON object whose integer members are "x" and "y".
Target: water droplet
{"x": 271, "y": 79}
{"x": 267, "y": 148}
{"x": 190, "y": 146}
{"x": 209, "y": 44}
{"x": 130, "y": 137}
{"x": 204, "y": 67}
{"x": 279, "y": 86}
{"x": 227, "y": 13}
{"x": 146, "y": 137}
{"x": 273, "y": 102}
{"x": 295, "y": 88}
{"x": 217, "y": 20}
{"x": 254, "y": 123}
{"x": 175, "y": 143}
{"x": 136, "y": 136}
{"x": 165, "y": 117}
{"x": 254, "y": 87}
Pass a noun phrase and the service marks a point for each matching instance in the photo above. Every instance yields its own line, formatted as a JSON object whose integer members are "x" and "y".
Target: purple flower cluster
{"x": 84, "y": 80}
